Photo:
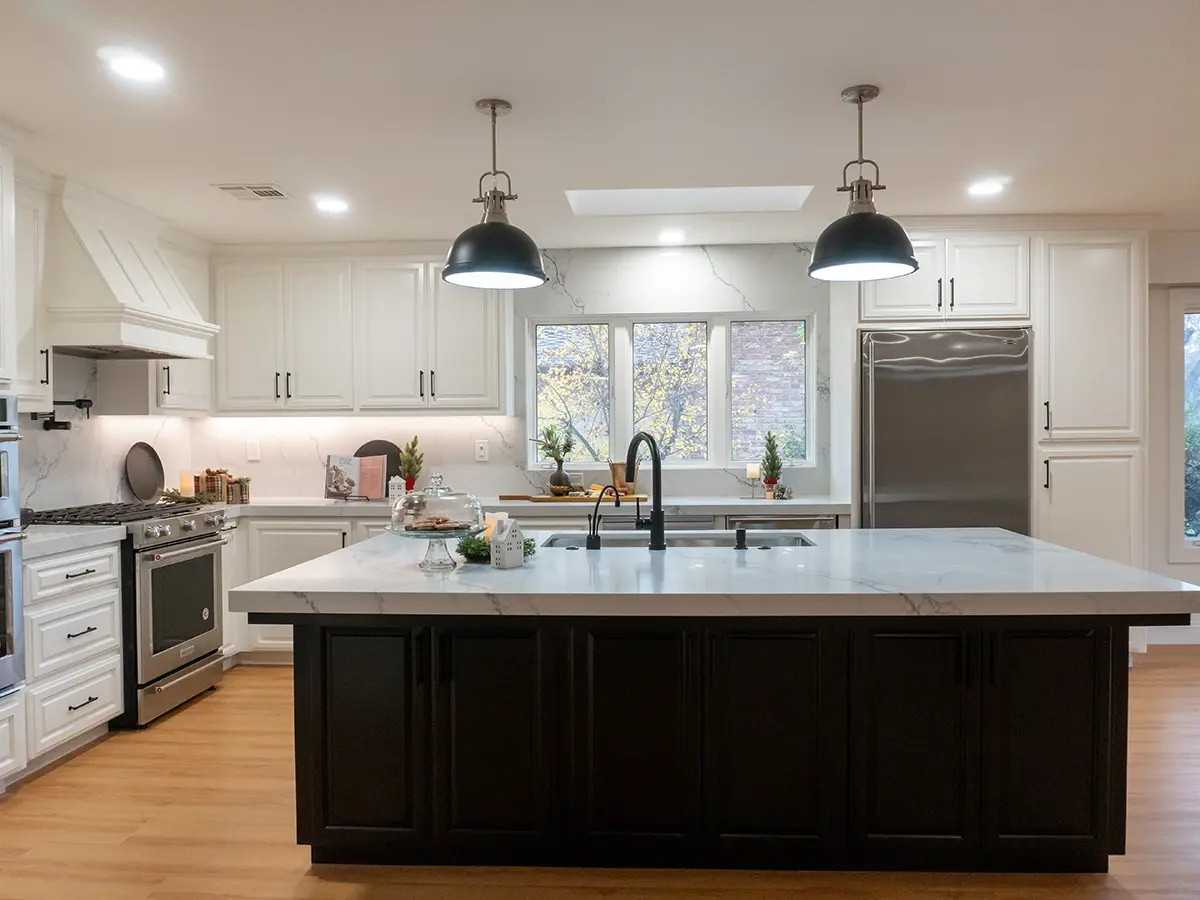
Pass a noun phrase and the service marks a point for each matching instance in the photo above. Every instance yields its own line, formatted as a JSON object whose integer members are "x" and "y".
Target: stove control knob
{"x": 164, "y": 530}
{"x": 187, "y": 525}
{"x": 152, "y": 531}
{"x": 210, "y": 521}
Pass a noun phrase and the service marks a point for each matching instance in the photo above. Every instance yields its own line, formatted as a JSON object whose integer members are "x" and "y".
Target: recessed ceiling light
{"x": 670, "y": 236}
{"x": 987, "y": 187}
{"x": 328, "y": 205}
{"x": 131, "y": 64}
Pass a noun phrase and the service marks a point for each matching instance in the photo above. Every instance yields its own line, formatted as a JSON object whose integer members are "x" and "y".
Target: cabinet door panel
{"x": 249, "y": 344}
{"x": 915, "y": 734}
{"x": 636, "y": 761}
{"x": 1095, "y": 306}
{"x": 375, "y": 755}
{"x": 389, "y": 328}
{"x": 1093, "y": 503}
{"x": 493, "y": 737}
{"x": 775, "y": 747}
{"x": 1046, "y": 745}
{"x": 185, "y": 383}
{"x": 320, "y": 366}
{"x": 914, "y": 296}
{"x": 464, "y": 345}
{"x": 989, "y": 277}
{"x": 33, "y": 359}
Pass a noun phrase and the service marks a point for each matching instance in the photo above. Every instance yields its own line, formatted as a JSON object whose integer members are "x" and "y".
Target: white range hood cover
{"x": 109, "y": 292}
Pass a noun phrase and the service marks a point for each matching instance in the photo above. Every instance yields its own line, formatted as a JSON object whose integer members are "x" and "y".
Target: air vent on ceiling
{"x": 253, "y": 191}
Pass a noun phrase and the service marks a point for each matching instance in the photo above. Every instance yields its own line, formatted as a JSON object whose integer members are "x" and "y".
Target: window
{"x": 1191, "y": 424}
{"x": 767, "y": 374}
{"x": 708, "y": 388}
{"x": 1183, "y": 386}
{"x": 670, "y": 386}
{"x": 571, "y": 386}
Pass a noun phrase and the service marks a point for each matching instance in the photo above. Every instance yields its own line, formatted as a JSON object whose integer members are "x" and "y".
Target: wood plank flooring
{"x": 200, "y": 807}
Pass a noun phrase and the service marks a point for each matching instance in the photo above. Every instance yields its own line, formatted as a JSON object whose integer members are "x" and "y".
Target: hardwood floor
{"x": 200, "y": 806}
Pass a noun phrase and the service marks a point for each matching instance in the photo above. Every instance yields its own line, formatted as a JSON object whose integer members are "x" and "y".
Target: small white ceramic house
{"x": 508, "y": 545}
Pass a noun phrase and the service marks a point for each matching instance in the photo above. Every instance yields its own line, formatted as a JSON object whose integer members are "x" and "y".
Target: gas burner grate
{"x": 109, "y": 513}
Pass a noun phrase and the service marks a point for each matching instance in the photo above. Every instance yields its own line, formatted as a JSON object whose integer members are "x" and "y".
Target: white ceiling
{"x": 1089, "y": 105}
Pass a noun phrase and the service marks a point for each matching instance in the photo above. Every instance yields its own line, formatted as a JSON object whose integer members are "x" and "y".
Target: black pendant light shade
{"x": 494, "y": 254}
{"x": 862, "y": 246}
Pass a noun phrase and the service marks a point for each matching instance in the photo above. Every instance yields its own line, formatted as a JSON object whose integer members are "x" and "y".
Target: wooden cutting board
{"x": 545, "y": 498}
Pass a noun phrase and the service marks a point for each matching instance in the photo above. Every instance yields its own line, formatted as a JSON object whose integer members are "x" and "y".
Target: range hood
{"x": 108, "y": 290}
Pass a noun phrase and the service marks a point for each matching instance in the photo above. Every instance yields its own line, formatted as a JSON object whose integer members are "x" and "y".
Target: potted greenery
{"x": 772, "y": 465}
{"x": 410, "y": 464}
{"x": 557, "y": 443}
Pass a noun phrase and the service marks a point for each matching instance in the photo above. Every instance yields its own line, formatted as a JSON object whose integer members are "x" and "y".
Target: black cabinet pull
{"x": 80, "y": 574}
{"x": 167, "y": 372}
{"x": 422, "y": 384}
{"x": 939, "y": 295}
{"x": 1047, "y": 425}
{"x": 343, "y": 540}
{"x": 288, "y": 383}
{"x": 87, "y": 630}
{"x": 46, "y": 358}
{"x": 994, "y": 667}
{"x": 276, "y": 385}
{"x": 87, "y": 702}
{"x": 420, "y": 657}
{"x": 951, "y": 294}
{"x": 1047, "y": 484}
{"x": 432, "y": 389}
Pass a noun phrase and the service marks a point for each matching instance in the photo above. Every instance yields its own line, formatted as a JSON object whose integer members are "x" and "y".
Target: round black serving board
{"x": 144, "y": 471}
{"x": 382, "y": 448}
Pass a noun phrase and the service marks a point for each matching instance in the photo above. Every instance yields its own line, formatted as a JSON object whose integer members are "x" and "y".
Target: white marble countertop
{"x": 893, "y": 572}
{"x": 714, "y": 506}
{"x": 42, "y": 540}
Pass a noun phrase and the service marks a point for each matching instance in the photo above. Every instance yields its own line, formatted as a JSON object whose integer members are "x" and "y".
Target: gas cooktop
{"x": 109, "y": 513}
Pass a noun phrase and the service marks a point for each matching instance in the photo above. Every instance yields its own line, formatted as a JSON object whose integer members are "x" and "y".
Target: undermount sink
{"x": 754, "y": 539}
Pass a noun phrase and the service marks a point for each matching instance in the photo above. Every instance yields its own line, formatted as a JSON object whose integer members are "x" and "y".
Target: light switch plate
{"x": 253, "y": 451}
{"x": 481, "y": 451}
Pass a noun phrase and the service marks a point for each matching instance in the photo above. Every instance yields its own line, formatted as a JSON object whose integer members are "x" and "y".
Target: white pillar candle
{"x": 753, "y": 472}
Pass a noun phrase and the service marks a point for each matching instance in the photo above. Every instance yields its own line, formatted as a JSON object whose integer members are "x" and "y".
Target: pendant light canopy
{"x": 494, "y": 254}
{"x": 862, "y": 245}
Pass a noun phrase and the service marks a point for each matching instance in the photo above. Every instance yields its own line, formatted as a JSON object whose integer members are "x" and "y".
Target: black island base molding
{"x": 944, "y": 744}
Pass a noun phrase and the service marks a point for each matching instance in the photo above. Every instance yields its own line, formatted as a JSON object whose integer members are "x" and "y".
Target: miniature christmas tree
{"x": 772, "y": 463}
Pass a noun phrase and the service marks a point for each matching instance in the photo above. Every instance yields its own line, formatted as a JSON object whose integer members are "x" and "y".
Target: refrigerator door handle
{"x": 870, "y": 434}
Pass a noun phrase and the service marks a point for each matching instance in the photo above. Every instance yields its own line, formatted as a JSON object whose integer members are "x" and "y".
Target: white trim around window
{"x": 720, "y": 435}
{"x": 1180, "y": 549}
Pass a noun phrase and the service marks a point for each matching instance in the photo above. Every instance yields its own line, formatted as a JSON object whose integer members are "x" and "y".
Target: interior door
{"x": 464, "y": 346}
{"x": 318, "y": 331}
{"x": 946, "y": 429}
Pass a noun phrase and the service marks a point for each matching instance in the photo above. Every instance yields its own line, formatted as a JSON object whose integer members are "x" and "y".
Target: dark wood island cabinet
{"x": 948, "y": 743}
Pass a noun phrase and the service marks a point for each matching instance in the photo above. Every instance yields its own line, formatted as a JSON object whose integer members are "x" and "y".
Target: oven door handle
{"x": 7, "y": 437}
{"x": 194, "y": 550}
{"x": 9, "y": 538}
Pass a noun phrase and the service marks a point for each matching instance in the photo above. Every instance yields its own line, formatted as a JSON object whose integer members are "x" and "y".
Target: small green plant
{"x": 555, "y": 443}
{"x": 475, "y": 548}
{"x": 772, "y": 462}
{"x": 411, "y": 460}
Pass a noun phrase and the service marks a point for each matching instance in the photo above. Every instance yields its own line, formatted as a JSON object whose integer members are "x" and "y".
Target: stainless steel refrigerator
{"x": 945, "y": 429}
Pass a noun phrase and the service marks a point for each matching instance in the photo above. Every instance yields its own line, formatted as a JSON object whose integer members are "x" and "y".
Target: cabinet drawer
{"x": 12, "y": 734}
{"x": 64, "y": 707}
{"x": 63, "y": 573}
{"x": 60, "y": 635}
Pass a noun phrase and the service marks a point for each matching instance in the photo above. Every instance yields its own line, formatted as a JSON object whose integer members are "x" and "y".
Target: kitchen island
{"x": 896, "y": 699}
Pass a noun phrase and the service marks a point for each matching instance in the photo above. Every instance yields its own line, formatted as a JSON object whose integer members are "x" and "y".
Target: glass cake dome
{"x": 436, "y": 514}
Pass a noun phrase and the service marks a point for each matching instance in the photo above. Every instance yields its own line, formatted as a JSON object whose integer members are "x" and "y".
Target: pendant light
{"x": 862, "y": 245}
{"x": 494, "y": 254}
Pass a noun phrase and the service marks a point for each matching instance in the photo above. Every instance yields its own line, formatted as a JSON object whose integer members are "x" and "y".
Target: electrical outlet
{"x": 481, "y": 451}
{"x": 253, "y": 451}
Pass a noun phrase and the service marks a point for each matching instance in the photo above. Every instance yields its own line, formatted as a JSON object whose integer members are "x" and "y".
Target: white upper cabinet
{"x": 368, "y": 335}
{"x": 1090, "y": 355}
{"x": 987, "y": 276}
{"x": 34, "y": 359}
{"x": 8, "y": 266}
{"x": 318, "y": 355}
{"x": 250, "y": 343}
{"x": 389, "y": 335}
{"x": 920, "y": 295}
{"x": 185, "y": 384}
{"x": 464, "y": 339}
{"x": 968, "y": 276}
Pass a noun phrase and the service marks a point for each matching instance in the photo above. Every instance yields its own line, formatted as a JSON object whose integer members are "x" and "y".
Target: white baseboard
{"x": 1173, "y": 634}
{"x": 55, "y": 754}
{"x": 264, "y": 658}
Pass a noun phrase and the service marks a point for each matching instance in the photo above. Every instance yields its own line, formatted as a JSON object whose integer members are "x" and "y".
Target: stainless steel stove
{"x": 171, "y": 599}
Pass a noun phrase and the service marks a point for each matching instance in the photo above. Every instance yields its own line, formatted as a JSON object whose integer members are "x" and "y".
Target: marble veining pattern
{"x": 894, "y": 572}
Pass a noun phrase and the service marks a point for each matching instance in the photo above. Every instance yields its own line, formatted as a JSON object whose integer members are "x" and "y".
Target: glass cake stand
{"x": 436, "y": 515}
{"x": 437, "y": 554}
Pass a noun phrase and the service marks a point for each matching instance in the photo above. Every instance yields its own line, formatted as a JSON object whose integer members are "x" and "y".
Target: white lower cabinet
{"x": 1091, "y": 500}
{"x": 13, "y": 750}
{"x": 233, "y": 574}
{"x": 58, "y": 709}
{"x": 59, "y": 635}
{"x": 277, "y": 544}
{"x": 364, "y": 529}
